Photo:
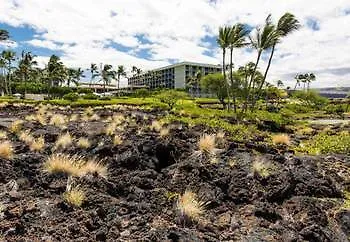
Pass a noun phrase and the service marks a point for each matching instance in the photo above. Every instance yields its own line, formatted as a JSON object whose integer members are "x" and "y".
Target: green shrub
{"x": 90, "y": 96}
{"x": 57, "y": 91}
{"x": 170, "y": 97}
{"x": 298, "y": 108}
{"x": 84, "y": 90}
{"x": 142, "y": 93}
{"x": 106, "y": 98}
{"x": 324, "y": 143}
{"x": 335, "y": 109}
{"x": 311, "y": 98}
{"x": 71, "y": 97}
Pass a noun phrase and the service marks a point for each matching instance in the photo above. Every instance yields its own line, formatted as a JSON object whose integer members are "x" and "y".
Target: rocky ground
{"x": 302, "y": 198}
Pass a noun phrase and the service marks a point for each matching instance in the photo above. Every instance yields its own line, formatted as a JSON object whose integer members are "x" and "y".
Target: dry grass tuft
{"x": 190, "y": 207}
{"x": 94, "y": 117}
{"x": 3, "y": 134}
{"x": 263, "y": 169}
{"x": 6, "y": 150}
{"x": 281, "y": 139}
{"x": 61, "y": 163}
{"x": 63, "y": 141}
{"x": 58, "y": 120}
{"x": 164, "y": 132}
{"x": 74, "y": 118}
{"x": 156, "y": 126}
{"x": 83, "y": 143}
{"x": 110, "y": 129}
{"x": 95, "y": 167}
{"x": 25, "y": 137}
{"x": 206, "y": 144}
{"x": 75, "y": 197}
{"x": 37, "y": 144}
{"x": 117, "y": 140}
{"x": 89, "y": 111}
{"x": 16, "y": 126}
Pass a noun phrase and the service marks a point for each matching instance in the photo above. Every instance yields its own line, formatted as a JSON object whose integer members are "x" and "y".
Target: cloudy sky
{"x": 153, "y": 33}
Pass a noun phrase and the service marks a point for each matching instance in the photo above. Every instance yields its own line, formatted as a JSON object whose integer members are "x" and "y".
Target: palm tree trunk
{"x": 224, "y": 73}
{"x": 232, "y": 84}
{"x": 251, "y": 80}
{"x": 265, "y": 76}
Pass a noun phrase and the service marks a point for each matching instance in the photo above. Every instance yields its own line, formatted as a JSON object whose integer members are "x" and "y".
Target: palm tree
{"x": 193, "y": 82}
{"x": 264, "y": 39}
{"x": 312, "y": 78}
{"x": 4, "y": 35}
{"x": 8, "y": 56}
{"x": 107, "y": 74}
{"x": 94, "y": 72}
{"x": 56, "y": 71}
{"x": 120, "y": 72}
{"x": 286, "y": 25}
{"x": 279, "y": 83}
{"x": 25, "y": 66}
{"x": 297, "y": 80}
{"x": 223, "y": 41}
{"x": 237, "y": 39}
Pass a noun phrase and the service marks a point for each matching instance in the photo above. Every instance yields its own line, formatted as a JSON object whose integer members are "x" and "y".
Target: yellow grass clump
{"x": 25, "y": 136}
{"x": 110, "y": 129}
{"x": 16, "y": 126}
{"x": 89, "y": 111}
{"x": 95, "y": 167}
{"x": 164, "y": 132}
{"x": 83, "y": 143}
{"x": 3, "y": 134}
{"x": 58, "y": 120}
{"x": 117, "y": 140}
{"x": 281, "y": 139}
{"x": 75, "y": 197}
{"x": 63, "y": 141}
{"x": 190, "y": 207}
{"x": 74, "y": 118}
{"x": 37, "y": 144}
{"x": 156, "y": 126}
{"x": 6, "y": 150}
{"x": 263, "y": 169}
{"x": 206, "y": 144}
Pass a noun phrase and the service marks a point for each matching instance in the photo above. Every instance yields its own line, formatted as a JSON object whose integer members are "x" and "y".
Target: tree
{"x": 4, "y": 35}
{"x": 107, "y": 74}
{"x": 94, "y": 72}
{"x": 56, "y": 71}
{"x": 280, "y": 84}
{"x": 223, "y": 41}
{"x": 237, "y": 39}
{"x": 171, "y": 97}
{"x": 263, "y": 39}
{"x": 286, "y": 25}
{"x": 193, "y": 83}
{"x": 215, "y": 84}
{"x": 25, "y": 67}
{"x": 312, "y": 78}
{"x": 8, "y": 57}
{"x": 120, "y": 72}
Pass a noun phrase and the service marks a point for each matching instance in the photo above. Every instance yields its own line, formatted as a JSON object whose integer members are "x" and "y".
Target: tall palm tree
{"x": 237, "y": 39}
{"x": 286, "y": 25}
{"x": 107, "y": 74}
{"x": 312, "y": 78}
{"x": 120, "y": 72}
{"x": 4, "y": 35}
{"x": 264, "y": 39}
{"x": 25, "y": 66}
{"x": 223, "y": 41}
{"x": 8, "y": 56}
{"x": 94, "y": 72}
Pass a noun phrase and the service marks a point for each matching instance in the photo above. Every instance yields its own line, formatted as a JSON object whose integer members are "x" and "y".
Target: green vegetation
{"x": 171, "y": 97}
{"x": 324, "y": 143}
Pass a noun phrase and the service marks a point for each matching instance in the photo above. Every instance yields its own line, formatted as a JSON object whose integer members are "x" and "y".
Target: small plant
{"x": 75, "y": 196}
{"x": 16, "y": 126}
{"x": 6, "y": 150}
{"x": 64, "y": 141}
{"x": 58, "y": 120}
{"x": 263, "y": 169}
{"x": 71, "y": 97}
{"x": 220, "y": 138}
{"x": 171, "y": 97}
{"x": 206, "y": 144}
{"x": 110, "y": 129}
{"x": 190, "y": 208}
{"x": 95, "y": 117}
{"x": 156, "y": 126}
{"x": 89, "y": 111}
{"x": 74, "y": 118}
{"x": 3, "y": 134}
{"x": 37, "y": 144}
{"x": 83, "y": 143}
{"x": 95, "y": 167}
{"x": 164, "y": 132}
{"x": 61, "y": 163}
{"x": 25, "y": 137}
{"x": 281, "y": 139}
{"x": 117, "y": 140}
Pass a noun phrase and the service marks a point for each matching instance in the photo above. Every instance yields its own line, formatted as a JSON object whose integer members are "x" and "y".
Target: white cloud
{"x": 85, "y": 32}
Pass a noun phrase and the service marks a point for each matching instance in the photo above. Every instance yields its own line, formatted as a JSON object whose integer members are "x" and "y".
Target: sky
{"x": 154, "y": 33}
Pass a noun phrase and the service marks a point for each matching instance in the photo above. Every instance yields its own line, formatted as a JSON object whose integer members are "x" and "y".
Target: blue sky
{"x": 151, "y": 34}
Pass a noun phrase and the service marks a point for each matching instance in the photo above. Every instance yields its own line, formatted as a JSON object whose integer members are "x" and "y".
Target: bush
{"x": 142, "y": 93}
{"x": 71, "y": 96}
{"x": 335, "y": 109}
{"x": 31, "y": 87}
{"x": 170, "y": 97}
{"x": 90, "y": 96}
{"x": 106, "y": 98}
{"x": 57, "y": 91}
{"x": 311, "y": 98}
